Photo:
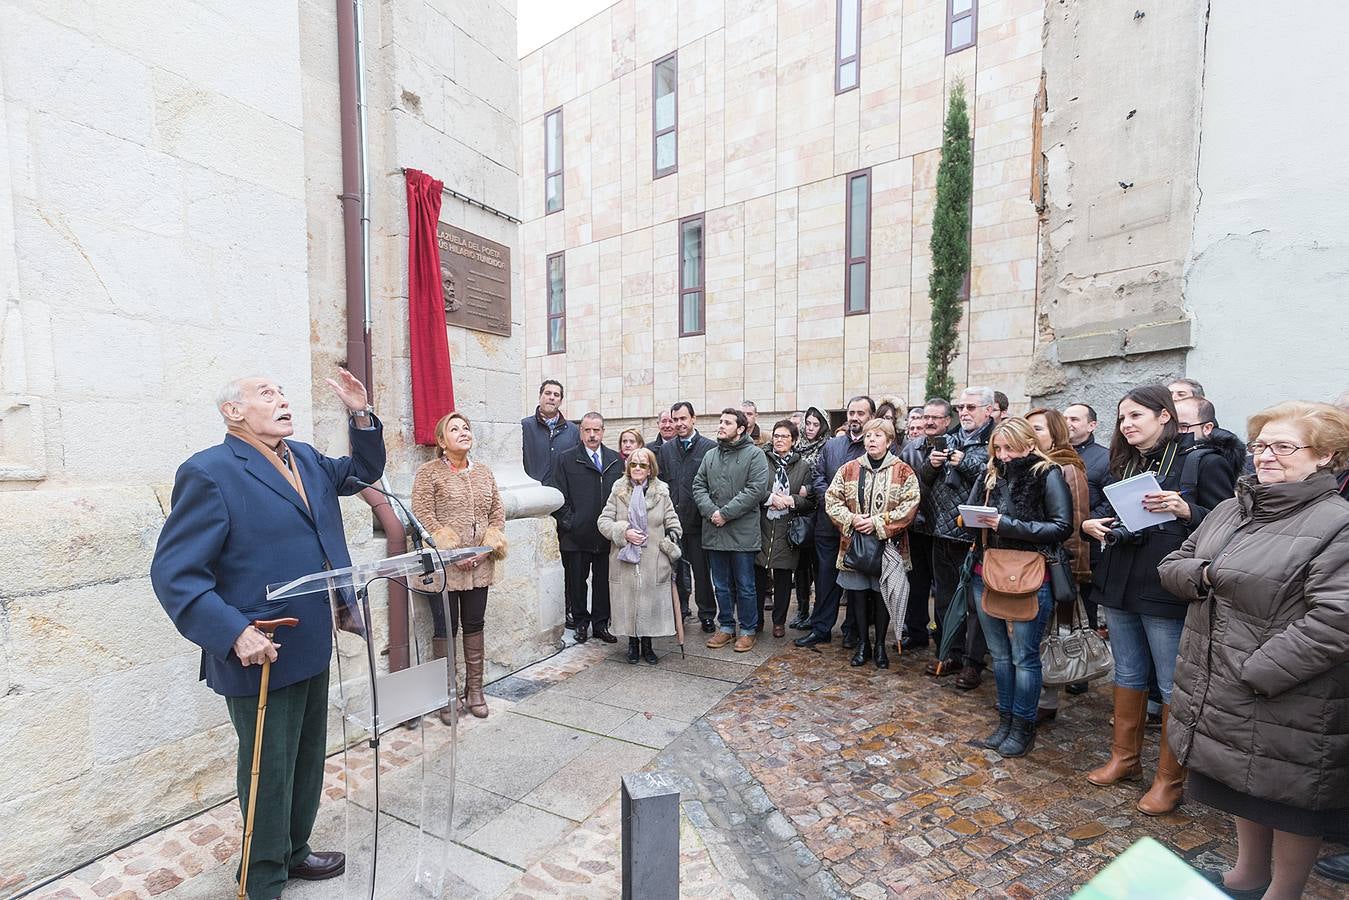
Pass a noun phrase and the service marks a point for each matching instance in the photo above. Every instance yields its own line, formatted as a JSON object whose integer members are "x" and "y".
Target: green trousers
{"x": 290, "y": 777}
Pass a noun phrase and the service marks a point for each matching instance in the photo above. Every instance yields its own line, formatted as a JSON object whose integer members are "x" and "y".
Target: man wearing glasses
{"x": 1200, "y": 419}
{"x": 936, "y": 420}
{"x": 946, "y": 476}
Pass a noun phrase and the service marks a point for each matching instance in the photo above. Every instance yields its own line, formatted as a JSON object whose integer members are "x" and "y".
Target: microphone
{"x": 419, "y": 532}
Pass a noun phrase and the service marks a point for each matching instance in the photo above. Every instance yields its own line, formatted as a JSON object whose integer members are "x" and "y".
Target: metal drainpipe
{"x": 355, "y": 199}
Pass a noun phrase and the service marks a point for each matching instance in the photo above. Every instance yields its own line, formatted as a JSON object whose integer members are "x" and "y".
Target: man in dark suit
{"x": 585, "y": 475}
{"x": 679, "y": 460}
{"x": 255, "y": 510}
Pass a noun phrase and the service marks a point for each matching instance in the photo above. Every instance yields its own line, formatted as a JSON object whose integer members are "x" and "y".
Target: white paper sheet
{"x": 1127, "y": 498}
{"x": 977, "y": 516}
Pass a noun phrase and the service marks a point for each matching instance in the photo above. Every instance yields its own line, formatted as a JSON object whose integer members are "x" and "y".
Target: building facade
{"x": 726, "y": 200}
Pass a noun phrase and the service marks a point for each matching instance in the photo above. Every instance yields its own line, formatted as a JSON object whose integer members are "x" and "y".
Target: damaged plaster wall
{"x": 1268, "y": 277}
{"x": 1120, "y": 144}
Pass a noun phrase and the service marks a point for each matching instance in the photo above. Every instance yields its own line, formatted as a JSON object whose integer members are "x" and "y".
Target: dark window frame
{"x": 701, "y": 287}
{"x": 551, "y": 173}
{"x": 548, "y": 302}
{"x": 674, "y": 128}
{"x": 952, "y": 17}
{"x": 848, "y": 259}
{"x": 856, "y": 58}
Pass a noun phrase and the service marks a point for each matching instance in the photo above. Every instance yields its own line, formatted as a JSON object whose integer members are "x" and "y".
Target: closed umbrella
{"x": 953, "y": 622}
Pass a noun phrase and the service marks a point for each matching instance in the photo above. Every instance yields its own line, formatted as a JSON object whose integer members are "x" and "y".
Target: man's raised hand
{"x": 349, "y": 390}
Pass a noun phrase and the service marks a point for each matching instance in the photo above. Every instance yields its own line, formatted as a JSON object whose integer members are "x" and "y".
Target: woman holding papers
{"x": 1145, "y": 619}
{"x": 1261, "y": 705}
{"x": 1033, "y": 511}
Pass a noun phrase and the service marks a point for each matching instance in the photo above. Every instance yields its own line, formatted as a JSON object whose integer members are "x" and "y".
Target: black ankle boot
{"x": 647, "y": 653}
{"x": 863, "y": 653}
{"x": 1020, "y": 739}
{"x": 634, "y": 650}
{"x": 882, "y": 658}
{"x": 994, "y": 740}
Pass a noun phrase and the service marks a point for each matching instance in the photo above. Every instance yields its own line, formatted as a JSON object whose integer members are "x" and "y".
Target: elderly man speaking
{"x": 255, "y": 510}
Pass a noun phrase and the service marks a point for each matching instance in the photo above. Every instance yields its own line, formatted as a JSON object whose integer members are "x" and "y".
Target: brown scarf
{"x": 279, "y": 456}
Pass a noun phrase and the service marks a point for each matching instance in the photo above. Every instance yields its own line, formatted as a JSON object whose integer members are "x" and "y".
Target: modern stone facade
{"x": 764, "y": 148}
{"x": 169, "y": 219}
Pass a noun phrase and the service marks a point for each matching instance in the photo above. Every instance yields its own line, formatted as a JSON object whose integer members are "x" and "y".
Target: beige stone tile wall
{"x": 764, "y": 148}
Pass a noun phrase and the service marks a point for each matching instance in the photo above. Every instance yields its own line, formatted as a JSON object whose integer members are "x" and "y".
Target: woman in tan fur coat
{"x": 458, "y": 501}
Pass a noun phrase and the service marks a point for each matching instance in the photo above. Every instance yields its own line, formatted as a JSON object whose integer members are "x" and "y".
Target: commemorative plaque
{"x": 475, "y": 278}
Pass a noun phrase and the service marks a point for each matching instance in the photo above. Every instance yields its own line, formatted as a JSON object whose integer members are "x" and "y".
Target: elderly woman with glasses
{"x": 640, "y": 522}
{"x": 1260, "y": 703}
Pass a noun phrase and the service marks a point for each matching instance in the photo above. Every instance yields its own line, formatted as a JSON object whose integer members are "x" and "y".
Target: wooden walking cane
{"x": 268, "y": 628}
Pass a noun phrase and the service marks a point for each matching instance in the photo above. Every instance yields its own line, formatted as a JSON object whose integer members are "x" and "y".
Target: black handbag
{"x": 864, "y": 554}
{"x": 1062, "y": 585}
{"x": 798, "y": 532}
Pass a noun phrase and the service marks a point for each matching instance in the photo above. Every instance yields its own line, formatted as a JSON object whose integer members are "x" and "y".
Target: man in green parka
{"x": 732, "y": 481}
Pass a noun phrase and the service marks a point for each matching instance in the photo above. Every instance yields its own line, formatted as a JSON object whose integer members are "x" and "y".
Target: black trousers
{"x": 577, "y": 566}
{"x": 827, "y": 591}
{"x": 469, "y": 606}
{"x": 920, "y": 588}
{"x": 947, "y": 558}
{"x": 1089, "y": 605}
{"x": 805, "y": 577}
{"x": 691, "y": 543}
{"x": 782, "y": 592}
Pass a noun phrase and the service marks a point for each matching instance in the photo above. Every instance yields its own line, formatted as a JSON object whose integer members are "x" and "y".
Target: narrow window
{"x": 691, "y": 296}
{"x": 857, "y": 282}
{"x": 962, "y": 23}
{"x": 552, "y": 161}
{"x": 557, "y": 304}
{"x": 847, "y": 44}
{"x": 664, "y": 117}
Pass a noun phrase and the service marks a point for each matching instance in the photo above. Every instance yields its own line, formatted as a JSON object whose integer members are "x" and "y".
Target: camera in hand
{"x": 937, "y": 444}
{"x": 1118, "y": 534}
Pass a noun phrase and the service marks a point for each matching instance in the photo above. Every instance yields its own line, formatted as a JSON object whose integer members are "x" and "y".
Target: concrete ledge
{"x": 1105, "y": 342}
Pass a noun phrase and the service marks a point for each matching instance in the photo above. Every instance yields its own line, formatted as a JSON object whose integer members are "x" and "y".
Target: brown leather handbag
{"x": 1012, "y": 582}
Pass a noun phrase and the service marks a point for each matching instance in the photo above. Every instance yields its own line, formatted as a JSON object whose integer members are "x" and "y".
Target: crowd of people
{"x": 959, "y": 530}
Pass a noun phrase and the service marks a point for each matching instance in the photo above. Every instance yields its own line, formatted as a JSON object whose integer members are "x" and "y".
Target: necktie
{"x": 594, "y": 454}
{"x": 688, "y": 442}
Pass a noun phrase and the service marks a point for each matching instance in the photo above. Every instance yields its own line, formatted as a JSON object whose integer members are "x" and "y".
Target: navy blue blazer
{"x": 237, "y": 526}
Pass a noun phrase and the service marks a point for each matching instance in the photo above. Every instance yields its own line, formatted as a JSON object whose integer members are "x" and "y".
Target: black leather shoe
{"x": 649, "y": 654}
{"x": 910, "y": 645}
{"x": 800, "y": 623}
{"x": 862, "y": 655}
{"x": 1078, "y": 687}
{"x": 1215, "y": 876}
{"x": 570, "y": 623}
{"x": 581, "y": 635}
{"x": 1336, "y": 867}
{"x": 810, "y": 640}
{"x": 318, "y": 866}
{"x": 850, "y": 641}
{"x": 882, "y": 658}
{"x": 602, "y": 632}
{"x": 708, "y": 626}
{"x": 634, "y": 650}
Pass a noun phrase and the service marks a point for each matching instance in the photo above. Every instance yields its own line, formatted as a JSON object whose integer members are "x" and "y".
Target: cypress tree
{"x": 950, "y": 245}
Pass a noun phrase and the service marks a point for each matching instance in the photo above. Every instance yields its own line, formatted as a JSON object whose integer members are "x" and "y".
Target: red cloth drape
{"x": 432, "y": 380}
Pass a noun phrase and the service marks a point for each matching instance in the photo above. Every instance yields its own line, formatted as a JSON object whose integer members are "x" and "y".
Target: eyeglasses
{"x": 1186, "y": 425}
{"x": 638, "y": 465}
{"x": 968, "y": 407}
{"x": 1278, "y": 448}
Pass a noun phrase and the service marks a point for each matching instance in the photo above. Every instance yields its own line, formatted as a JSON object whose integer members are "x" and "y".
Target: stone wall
{"x": 764, "y": 148}
{"x": 1120, "y": 143}
{"x": 169, "y": 219}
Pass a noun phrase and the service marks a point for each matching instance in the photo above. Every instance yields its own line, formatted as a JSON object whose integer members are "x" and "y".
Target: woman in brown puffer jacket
{"x": 1260, "y": 704}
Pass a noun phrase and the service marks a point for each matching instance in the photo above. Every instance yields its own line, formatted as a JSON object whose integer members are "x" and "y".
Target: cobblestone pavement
{"x": 800, "y": 777}
{"x": 880, "y": 773}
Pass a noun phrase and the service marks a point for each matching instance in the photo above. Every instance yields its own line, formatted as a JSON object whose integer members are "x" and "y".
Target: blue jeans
{"x": 733, "y": 583}
{"x": 1016, "y": 659}
{"x": 1136, "y": 641}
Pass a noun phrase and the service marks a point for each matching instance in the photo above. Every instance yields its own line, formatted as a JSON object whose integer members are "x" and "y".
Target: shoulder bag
{"x": 798, "y": 531}
{"x": 1012, "y": 580}
{"x": 864, "y": 550}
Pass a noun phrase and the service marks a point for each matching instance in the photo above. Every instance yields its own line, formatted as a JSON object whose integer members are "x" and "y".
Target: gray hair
{"x": 232, "y": 392}
{"x": 750, "y": 404}
{"x": 986, "y": 397}
{"x": 593, "y": 415}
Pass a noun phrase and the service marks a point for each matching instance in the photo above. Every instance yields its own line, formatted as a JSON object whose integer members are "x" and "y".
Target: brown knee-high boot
{"x": 1169, "y": 785}
{"x": 473, "y": 664}
{"x": 1131, "y": 712}
{"x": 440, "y": 648}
